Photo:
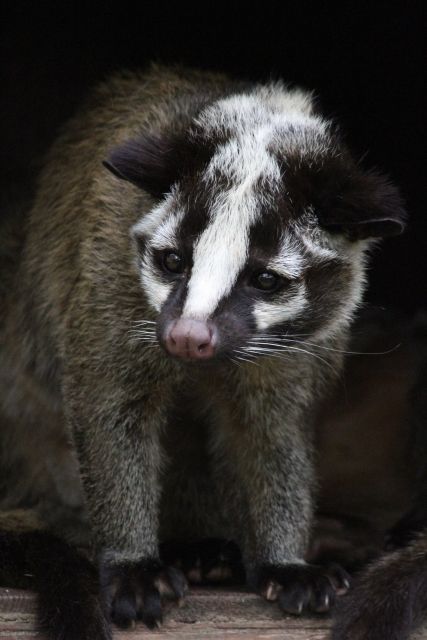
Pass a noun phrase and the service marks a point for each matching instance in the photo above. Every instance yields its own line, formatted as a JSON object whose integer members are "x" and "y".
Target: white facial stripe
{"x": 267, "y": 314}
{"x": 220, "y": 254}
{"x": 155, "y": 289}
{"x": 272, "y": 104}
{"x": 245, "y": 159}
{"x": 289, "y": 262}
{"x": 222, "y": 249}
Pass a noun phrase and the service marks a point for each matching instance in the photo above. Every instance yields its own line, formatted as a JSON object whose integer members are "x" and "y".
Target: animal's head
{"x": 260, "y": 228}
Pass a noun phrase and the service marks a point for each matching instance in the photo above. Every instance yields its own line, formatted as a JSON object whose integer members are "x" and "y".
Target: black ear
{"x": 365, "y": 205}
{"x": 148, "y": 161}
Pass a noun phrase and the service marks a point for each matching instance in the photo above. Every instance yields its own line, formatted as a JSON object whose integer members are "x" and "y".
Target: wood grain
{"x": 205, "y": 614}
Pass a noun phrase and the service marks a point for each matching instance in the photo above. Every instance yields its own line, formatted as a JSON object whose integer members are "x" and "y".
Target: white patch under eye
{"x": 268, "y": 314}
{"x": 155, "y": 289}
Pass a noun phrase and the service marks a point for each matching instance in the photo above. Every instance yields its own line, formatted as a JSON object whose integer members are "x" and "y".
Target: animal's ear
{"x": 365, "y": 205}
{"x": 152, "y": 161}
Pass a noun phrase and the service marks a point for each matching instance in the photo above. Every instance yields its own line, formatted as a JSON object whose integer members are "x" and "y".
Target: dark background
{"x": 366, "y": 62}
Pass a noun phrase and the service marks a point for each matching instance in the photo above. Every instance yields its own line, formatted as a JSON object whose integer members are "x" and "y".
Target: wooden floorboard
{"x": 205, "y": 613}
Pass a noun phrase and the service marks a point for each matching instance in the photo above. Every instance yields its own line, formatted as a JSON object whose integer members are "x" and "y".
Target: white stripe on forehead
{"x": 222, "y": 249}
{"x": 272, "y": 104}
{"x": 220, "y": 254}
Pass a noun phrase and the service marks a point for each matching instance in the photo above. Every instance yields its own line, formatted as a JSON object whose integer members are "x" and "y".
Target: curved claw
{"x": 299, "y": 588}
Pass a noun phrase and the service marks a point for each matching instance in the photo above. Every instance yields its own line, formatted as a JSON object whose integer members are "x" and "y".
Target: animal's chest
{"x": 186, "y": 436}
{"x": 189, "y": 503}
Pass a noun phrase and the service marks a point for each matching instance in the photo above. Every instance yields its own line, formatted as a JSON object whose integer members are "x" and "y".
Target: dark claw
{"x": 323, "y": 595}
{"x": 294, "y": 599}
{"x": 123, "y": 609}
{"x": 151, "y": 614}
{"x": 178, "y": 583}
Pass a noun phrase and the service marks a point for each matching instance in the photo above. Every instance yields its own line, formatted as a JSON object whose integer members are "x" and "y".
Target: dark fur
{"x": 66, "y": 581}
{"x": 390, "y": 599}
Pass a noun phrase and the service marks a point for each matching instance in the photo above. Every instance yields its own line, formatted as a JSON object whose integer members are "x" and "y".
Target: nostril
{"x": 204, "y": 342}
{"x": 189, "y": 338}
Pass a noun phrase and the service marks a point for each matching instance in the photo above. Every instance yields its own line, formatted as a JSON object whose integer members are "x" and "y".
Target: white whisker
{"x": 281, "y": 340}
{"x": 280, "y": 350}
{"x": 143, "y": 322}
{"x": 241, "y": 356}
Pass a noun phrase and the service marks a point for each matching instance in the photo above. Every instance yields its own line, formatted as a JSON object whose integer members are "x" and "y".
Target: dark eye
{"x": 173, "y": 262}
{"x": 266, "y": 281}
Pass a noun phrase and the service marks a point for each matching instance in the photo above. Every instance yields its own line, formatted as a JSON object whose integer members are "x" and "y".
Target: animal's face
{"x": 262, "y": 232}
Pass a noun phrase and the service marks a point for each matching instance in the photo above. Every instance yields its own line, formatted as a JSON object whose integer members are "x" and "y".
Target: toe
{"x": 322, "y": 596}
{"x": 151, "y": 613}
{"x": 123, "y": 611}
{"x": 294, "y": 598}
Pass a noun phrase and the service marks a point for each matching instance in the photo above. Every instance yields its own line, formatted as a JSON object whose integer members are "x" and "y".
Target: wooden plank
{"x": 206, "y": 614}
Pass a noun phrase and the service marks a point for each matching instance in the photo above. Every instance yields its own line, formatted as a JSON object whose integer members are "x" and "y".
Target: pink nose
{"x": 189, "y": 338}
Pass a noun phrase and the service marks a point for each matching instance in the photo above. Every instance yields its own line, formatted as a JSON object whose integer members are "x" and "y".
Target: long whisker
{"x": 136, "y": 332}
{"x": 271, "y": 353}
{"x": 241, "y": 356}
{"x": 149, "y": 337}
{"x": 279, "y": 349}
{"x": 284, "y": 339}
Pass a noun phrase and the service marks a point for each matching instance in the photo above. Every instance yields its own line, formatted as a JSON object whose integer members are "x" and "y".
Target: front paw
{"x": 140, "y": 590}
{"x": 299, "y": 588}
